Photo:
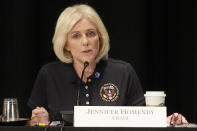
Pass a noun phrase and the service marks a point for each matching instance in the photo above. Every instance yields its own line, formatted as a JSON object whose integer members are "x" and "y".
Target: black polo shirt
{"x": 113, "y": 83}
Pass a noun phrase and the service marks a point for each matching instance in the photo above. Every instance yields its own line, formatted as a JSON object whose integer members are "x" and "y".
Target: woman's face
{"x": 83, "y": 41}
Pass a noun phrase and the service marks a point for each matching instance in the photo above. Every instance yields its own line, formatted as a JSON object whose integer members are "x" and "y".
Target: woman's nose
{"x": 84, "y": 41}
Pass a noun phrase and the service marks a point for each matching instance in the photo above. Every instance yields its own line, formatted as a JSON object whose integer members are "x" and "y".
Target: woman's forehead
{"x": 84, "y": 24}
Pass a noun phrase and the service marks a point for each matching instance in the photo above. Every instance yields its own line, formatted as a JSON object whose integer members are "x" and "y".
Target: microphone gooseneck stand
{"x": 67, "y": 115}
{"x": 81, "y": 82}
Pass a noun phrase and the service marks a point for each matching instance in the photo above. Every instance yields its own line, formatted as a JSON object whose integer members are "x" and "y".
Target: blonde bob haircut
{"x": 67, "y": 19}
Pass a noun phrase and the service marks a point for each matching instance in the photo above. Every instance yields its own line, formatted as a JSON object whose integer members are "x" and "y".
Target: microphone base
{"x": 67, "y": 117}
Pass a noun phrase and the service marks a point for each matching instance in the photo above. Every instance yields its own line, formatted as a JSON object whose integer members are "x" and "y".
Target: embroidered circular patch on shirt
{"x": 109, "y": 92}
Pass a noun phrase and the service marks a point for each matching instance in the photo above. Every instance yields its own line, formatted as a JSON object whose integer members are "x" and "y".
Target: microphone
{"x": 86, "y": 63}
{"x": 67, "y": 115}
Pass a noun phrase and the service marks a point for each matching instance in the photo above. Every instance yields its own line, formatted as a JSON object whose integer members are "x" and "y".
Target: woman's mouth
{"x": 86, "y": 51}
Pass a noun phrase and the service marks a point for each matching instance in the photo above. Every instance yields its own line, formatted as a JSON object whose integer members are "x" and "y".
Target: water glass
{"x": 10, "y": 109}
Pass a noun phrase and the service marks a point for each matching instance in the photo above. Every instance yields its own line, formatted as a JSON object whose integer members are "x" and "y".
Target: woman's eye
{"x": 91, "y": 34}
{"x": 76, "y": 36}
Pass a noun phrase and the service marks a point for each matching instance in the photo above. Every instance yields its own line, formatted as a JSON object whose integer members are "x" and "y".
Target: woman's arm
{"x": 39, "y": 115}
{"x": 176, "y": 119}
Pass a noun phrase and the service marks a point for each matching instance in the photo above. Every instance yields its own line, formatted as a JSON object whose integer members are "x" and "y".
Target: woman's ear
{"x": 67, "y": 47}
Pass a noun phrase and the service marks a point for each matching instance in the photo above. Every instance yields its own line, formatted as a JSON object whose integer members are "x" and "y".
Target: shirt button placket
{"x": 87, "y": 100}
{"x": 87, "y": 92}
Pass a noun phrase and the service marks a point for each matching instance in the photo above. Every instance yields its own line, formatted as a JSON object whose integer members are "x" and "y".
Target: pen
{"x": 42, "y": 124}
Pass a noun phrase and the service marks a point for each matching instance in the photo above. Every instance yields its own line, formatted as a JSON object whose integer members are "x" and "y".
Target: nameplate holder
{"x": 119, "y": 116}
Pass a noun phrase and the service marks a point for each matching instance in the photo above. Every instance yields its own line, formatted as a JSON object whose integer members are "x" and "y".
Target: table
{"x": 69, "y": 128}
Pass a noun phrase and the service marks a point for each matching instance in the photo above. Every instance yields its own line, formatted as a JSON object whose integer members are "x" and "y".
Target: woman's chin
{"x": 89, "y": 59}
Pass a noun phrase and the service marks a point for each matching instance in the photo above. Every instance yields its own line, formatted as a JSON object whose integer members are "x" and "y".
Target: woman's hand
{"x": 176, "y": 119}
{"x": 39, "y": 115}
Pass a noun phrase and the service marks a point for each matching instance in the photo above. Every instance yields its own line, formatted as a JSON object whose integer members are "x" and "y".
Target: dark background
{"x": 158, "y": 37}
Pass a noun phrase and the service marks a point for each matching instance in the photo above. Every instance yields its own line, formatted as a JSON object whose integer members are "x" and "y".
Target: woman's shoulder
{"x": 55, "y": 65}
{"x": 116, "y": 63}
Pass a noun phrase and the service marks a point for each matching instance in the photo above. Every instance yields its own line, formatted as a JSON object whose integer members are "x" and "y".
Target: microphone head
{"x": 86, "y": 63}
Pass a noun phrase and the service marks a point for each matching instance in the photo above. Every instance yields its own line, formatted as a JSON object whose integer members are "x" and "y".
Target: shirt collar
{"x": 98, "y": 72}
{"x": 100, "y": 67}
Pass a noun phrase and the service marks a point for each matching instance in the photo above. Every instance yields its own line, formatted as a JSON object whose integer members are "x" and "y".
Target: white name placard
{"x": 119, "y": 116}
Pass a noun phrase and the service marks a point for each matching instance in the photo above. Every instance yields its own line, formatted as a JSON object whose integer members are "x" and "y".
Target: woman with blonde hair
{"x": 84, "y": 75}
